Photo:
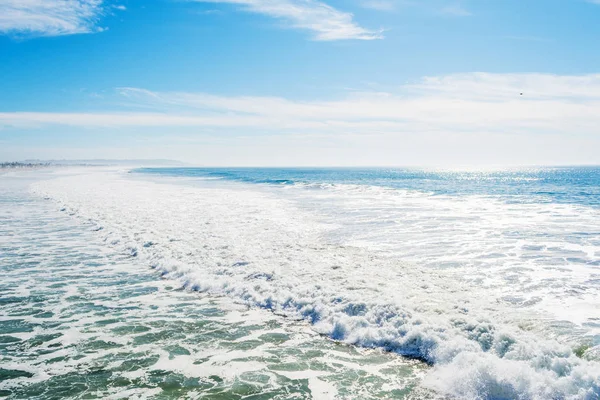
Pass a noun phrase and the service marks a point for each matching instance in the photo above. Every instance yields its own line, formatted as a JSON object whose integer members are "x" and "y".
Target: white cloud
{"x": 326, "y": 22}
{"x": 464, "y": 118}
{"x": 120, "y": 119}
{"x": 380, "y": 5}
{"x": 440, "y": 7}
{"x": 49, "y": 17}
{"x": 454, "y": 103}
{"x": 572, "y": 88}
{"x": 456, "y": 11}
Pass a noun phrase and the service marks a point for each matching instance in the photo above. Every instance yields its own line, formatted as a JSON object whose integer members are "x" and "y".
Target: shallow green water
{"x": 79, "y": 321}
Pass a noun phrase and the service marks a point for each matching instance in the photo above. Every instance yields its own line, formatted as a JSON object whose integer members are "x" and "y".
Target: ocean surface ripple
{"x": 513, "y": 316}
{"x": 83, "y": 319}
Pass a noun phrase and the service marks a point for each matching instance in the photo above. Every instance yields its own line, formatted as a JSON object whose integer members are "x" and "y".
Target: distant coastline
{"x": 87, "y": 163}
{"x": 14, "y": 165}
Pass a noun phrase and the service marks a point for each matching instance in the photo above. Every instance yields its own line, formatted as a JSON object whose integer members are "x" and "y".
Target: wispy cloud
{"x": 381, "y": 5}
{"x": 210, "y": 12}
{"x": 439, "y": 7}
{"x": 457, "y": 103}
{"x": 456, "y": 10}
{"x": 465, "y": 119}
{"x": 474, "y": 102}
{"x": 49, "y": 17}
{"x": 324, "y": 21}
{"x": 575, "y": 89}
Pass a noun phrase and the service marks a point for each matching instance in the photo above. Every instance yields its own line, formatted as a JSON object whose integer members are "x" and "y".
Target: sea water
{"x": 301, "y": 283}
{"x": 82, "y": 317}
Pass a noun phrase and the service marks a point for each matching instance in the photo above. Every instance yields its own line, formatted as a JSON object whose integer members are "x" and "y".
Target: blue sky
{"x": 302, "y": 82}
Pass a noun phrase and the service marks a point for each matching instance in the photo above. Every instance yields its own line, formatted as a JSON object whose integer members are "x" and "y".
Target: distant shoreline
{"x": 88, "y": 163}
{"x": 21, "y": 165}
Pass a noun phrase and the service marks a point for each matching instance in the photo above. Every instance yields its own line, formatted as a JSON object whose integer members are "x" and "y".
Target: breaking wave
{"x": 263, "y": 251}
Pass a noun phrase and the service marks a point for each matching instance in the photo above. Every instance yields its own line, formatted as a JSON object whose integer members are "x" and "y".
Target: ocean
{"x": 281, "y": 283}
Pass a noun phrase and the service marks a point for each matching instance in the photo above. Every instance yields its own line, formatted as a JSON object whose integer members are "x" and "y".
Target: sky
{"x": 302, "y": 82}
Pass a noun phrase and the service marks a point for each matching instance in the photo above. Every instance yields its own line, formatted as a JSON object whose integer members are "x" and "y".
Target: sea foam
{"x": 262, "y": 250}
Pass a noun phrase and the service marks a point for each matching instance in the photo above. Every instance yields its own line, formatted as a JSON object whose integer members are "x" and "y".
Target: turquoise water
{"x": 78, "y": 319}
{"x": 580, "y": 185}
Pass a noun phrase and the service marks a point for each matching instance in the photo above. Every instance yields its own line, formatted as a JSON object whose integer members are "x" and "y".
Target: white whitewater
{"x": 262, "y": 249}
